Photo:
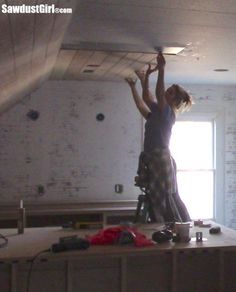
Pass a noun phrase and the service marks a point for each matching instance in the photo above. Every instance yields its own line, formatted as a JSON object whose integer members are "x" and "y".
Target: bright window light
{"x": 191, "y": 146}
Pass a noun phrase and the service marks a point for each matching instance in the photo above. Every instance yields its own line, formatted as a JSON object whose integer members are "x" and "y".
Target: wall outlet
{"x": 119, "y": 188}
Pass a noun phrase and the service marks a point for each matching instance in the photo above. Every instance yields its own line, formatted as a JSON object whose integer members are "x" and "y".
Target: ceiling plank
{"x": 126, "y": 64}
{"x": 29, "y": 45}
{"x": 90, "y": 70}
{"x": 22, "y": 29}
{"x": 78, "y": 62}
{"x": 99, "y": 65}
{"x": 44, "y": 24}
{"x": 105, "y": 71}
{"x": 60, "y": 24}
{"x": 7, "y": 65}
{"x": 139, "y": 64}
{"x": 64, "y": 59}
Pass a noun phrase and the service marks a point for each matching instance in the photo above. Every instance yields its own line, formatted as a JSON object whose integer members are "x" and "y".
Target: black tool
{"x": 72, "y": 243}
{"x": 162, "y": 236}
{"x": 215, "y": 230}
{"x": 67, "y": 238}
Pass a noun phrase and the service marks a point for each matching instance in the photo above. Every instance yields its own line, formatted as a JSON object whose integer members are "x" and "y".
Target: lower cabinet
{"x": 201, "y": 270}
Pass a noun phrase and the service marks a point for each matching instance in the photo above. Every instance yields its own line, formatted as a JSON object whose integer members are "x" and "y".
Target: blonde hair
{"x": 183, "y": 101}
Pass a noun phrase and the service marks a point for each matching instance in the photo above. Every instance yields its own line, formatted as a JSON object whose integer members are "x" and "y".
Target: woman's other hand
{"x": 131, "y": 81}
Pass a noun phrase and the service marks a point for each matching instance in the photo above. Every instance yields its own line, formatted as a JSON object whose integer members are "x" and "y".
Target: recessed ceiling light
{"x": 221, "y": 70}
{"x": 88, "y": 71}
{"x": 93, "y": 65}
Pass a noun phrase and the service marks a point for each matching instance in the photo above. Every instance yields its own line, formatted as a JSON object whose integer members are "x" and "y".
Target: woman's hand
{"x": 161, "y": 62}
{"x": 150, "y": 70}
{"x": 140, "y": 74}
{"x": 131, "y": 81}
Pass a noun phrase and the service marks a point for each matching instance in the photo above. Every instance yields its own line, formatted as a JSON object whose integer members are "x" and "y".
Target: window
{"x": 192, "y": 146}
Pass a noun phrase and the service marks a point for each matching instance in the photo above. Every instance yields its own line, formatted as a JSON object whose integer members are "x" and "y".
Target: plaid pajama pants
{"x": 157, "y": 174}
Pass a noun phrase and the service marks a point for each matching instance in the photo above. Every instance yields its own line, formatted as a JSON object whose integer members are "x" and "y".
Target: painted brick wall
{"x": 67, "y": 155}
{"x": 67, "y": 150}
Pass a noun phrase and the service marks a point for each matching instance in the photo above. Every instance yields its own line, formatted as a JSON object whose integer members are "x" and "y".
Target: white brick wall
{"x": 76, "y": 158}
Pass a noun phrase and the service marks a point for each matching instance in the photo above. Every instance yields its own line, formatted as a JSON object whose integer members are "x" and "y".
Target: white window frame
{"x": 216, "y": 115}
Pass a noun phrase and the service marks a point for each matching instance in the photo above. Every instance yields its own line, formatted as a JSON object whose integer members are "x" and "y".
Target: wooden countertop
{"x": 23, "y": 247}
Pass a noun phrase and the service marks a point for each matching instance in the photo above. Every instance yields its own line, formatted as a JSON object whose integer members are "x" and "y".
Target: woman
{"x": 157, "y": 168}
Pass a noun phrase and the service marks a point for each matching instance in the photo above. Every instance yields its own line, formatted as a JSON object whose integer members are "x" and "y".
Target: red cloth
{"x": 111, "y": 235}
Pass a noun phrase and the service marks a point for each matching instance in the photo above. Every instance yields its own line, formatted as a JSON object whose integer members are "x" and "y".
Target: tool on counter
{"x": 70, "y": 243}
{"x": 21, "y": 218}
{"x": 200, "y": 223}
{"x": 162, "y": 236}
{"x": 215, "y": 230}
{"x": 198, "y": 236}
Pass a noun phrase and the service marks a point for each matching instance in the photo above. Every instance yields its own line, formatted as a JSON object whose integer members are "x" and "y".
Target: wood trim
{"x": 10, "y": 211}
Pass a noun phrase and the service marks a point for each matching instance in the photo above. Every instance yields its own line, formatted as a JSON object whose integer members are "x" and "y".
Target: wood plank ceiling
{"x": 29, "y": 45}
{"x": 205, "y": 28}
{"x": 99, "y": 65}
